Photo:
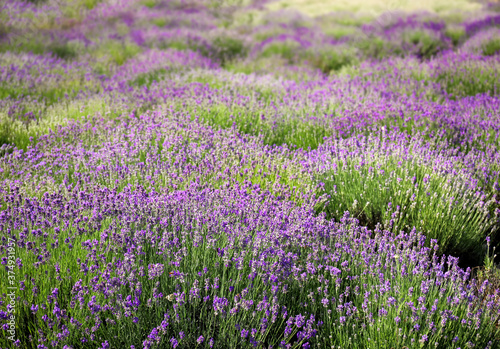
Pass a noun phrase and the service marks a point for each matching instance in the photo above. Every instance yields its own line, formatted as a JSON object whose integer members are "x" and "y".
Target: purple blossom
{"x": 166, "y": 180}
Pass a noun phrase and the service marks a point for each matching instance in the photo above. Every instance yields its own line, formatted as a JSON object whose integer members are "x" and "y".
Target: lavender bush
{"x": 214, "y": 174}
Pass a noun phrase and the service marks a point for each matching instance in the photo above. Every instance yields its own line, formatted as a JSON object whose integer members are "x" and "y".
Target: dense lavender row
{"x": 181, "y": 174}
{"x": 152, "y": 261}
{"x": 161, "y": 153}
{"x": 120, "y": 174}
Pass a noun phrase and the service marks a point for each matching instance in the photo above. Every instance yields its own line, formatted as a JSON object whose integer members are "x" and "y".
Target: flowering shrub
{"x": 173, "y": 175}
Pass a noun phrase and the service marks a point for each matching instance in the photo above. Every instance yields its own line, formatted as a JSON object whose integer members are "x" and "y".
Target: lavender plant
{"x": 214, "y": 174}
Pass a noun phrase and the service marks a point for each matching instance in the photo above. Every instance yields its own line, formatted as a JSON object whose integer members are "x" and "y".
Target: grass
{"x": 491, "y": 47}
{"x": 287, "y": 49}
{"x": 427, "y": 45}
{"x": 112, "y": 53}
{"x": 330, "y": 60}
{"x": 374, "y": 7}
{"x": 146, "y": 79}
{"x": 62, "y": 50}
{"x": 292, "y": 131}
{"x": 456, "y": 34}
{"x": 468, "y": 81}
{"x": 22, "y": 134}
{"x": 404, "y": 195}
{"x": 338, "y": 32}
{"x": 226, "y": 49}
{"x": 49, "y": 95}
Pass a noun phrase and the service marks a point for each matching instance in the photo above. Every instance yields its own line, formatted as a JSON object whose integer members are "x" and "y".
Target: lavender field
{"x": 249, "y": 174}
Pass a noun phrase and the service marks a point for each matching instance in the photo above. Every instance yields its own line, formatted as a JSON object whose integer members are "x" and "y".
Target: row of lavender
{"x": 132, "y": 234}
{"x": 464, "y": 130}
{"x": 159, "y": 197}
{"x": 93, "y": 28}
{"x": 453, "y": 96}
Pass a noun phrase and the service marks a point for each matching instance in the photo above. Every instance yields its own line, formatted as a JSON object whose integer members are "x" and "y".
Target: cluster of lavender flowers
{"x": 174, "y": 176}
{"x": 146, "y": 226}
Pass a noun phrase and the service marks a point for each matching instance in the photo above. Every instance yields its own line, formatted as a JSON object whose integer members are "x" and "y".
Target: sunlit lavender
{"x": 233, "y": 174}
